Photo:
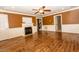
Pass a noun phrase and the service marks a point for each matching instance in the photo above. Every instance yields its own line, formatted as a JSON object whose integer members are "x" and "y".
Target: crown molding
{"x": 14, "y": 12}
{"x": 63, "y": 11}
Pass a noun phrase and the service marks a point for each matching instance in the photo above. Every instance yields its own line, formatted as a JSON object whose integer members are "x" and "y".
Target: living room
{"x": 57, "y": 24}
{"x": 39, "y": 29}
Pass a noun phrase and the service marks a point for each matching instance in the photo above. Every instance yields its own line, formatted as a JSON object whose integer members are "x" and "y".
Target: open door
{"x": 58, "y": 23}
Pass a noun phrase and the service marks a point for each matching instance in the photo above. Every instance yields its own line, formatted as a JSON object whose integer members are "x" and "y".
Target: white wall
{"x": 11, "y": 33}
{"x": 34, "y": 29}
{"x": 48, "y": 27}
{"x": 7, "y": 33}
{"x": 70, "y": 28}
{"x": 3, "y": 21}
{"x": 27, "y": 22}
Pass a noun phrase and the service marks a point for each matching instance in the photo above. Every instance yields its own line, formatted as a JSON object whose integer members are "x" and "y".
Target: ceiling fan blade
{"x": 41, "y": 10}
{"x": 47, "y": 10}
{"x": 36, "y": 12}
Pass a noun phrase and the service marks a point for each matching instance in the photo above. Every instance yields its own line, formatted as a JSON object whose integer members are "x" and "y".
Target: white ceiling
{"x": 28, "y": 9}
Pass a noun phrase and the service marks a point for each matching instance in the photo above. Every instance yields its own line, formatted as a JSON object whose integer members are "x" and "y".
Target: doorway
{"x": 39, "y": 25}
{"x": 58, "y": 23}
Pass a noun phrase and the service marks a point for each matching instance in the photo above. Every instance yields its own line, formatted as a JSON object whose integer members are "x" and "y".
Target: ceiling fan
{"x": 41, "y": 10}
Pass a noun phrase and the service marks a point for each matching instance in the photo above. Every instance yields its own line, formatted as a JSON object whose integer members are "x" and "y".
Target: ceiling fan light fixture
{"x": 41, "y": 11}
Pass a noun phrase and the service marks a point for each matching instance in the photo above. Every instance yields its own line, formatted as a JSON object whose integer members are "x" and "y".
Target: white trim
{"x": 67, "y": 10}
{"x": 2, "y": 10}
{"x": 70, "y": 28}
{"x": 14, "y": 12}
{"x": 63, "y": 11}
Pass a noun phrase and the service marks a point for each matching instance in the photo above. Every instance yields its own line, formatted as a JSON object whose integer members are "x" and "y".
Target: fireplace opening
{"x": 28, "y": 30}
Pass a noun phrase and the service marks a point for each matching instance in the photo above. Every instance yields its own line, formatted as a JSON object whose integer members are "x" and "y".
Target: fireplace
{"x": 28, "y": 30}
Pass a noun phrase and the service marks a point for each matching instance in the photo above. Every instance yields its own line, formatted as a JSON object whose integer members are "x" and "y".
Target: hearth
{"x": 28, "y": 30}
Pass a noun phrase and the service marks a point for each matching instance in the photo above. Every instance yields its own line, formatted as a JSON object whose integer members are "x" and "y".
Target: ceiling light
{"x": 41, "y": 11}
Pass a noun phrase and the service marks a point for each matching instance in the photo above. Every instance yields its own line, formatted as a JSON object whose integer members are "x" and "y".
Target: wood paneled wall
{"x": 14, "y": 20}
{"x": 70, "y": 17}
{"x": 48, "y": 20}
{"x": 34, "y": 21}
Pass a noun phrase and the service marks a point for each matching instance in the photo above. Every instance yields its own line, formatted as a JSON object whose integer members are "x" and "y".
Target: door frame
{"x": 55, "y": 22}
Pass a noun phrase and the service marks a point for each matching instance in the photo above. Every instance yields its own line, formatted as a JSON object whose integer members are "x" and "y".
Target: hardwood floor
{"x": 42, "y": 42}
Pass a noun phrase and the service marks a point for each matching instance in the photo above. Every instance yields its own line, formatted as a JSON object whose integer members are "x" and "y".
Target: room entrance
{"x": 39, "y": 25}
{"x": 58, "y": 23}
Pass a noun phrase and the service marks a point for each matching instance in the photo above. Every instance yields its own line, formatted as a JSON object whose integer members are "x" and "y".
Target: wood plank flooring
{"x": 42, "y": 42}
